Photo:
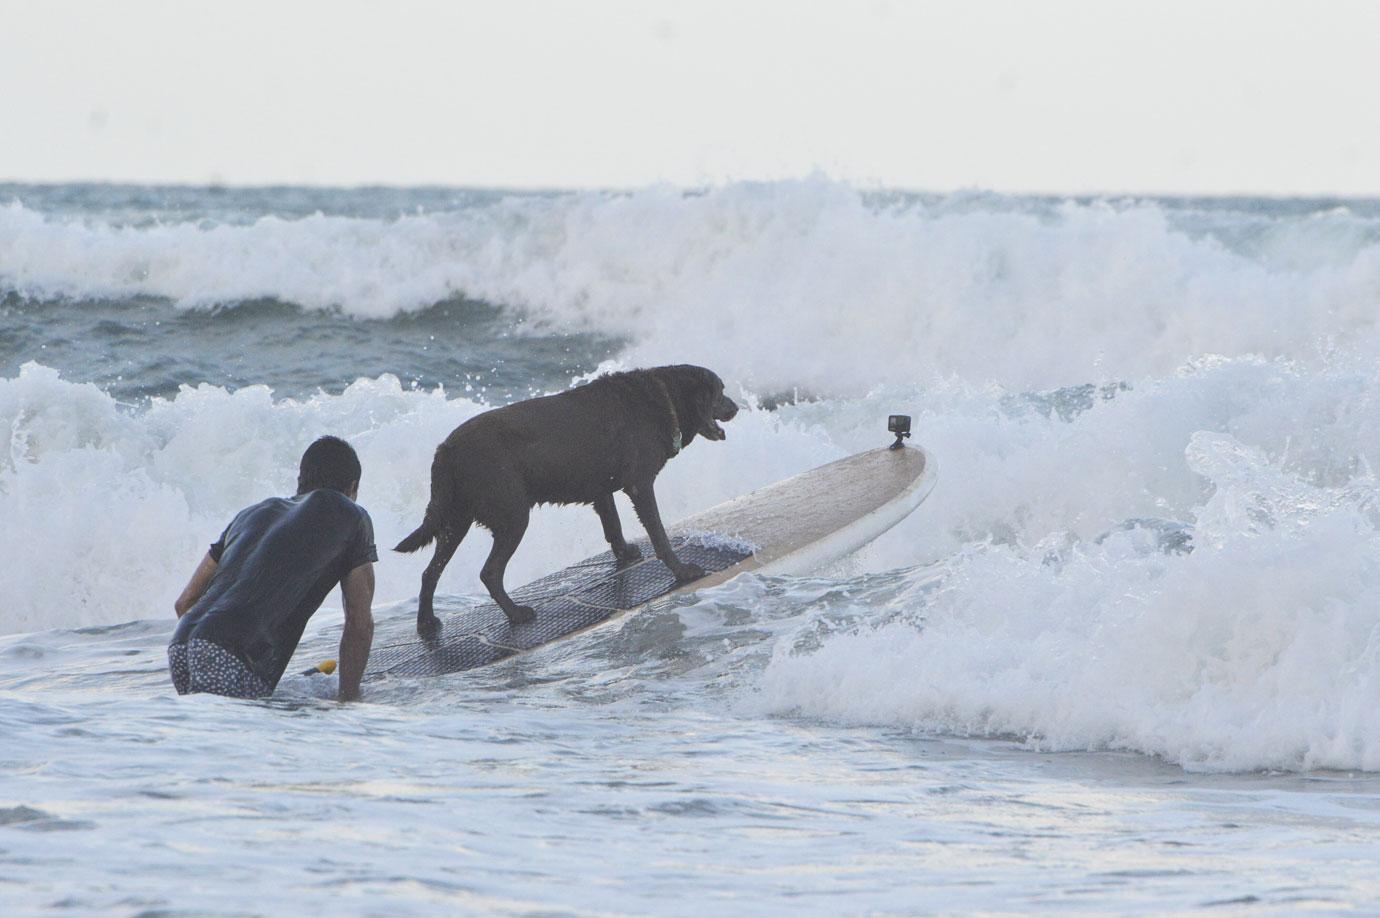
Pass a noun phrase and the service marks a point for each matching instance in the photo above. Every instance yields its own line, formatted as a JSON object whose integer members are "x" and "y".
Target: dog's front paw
{"x": 429, "y": 627}
{"x": 521, "y": 615}
{"x": 628, "y": 554}
{"x": 686, "y": 572}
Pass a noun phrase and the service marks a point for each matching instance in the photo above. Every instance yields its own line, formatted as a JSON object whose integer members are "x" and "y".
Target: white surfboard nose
{"x": 819, "y": 516}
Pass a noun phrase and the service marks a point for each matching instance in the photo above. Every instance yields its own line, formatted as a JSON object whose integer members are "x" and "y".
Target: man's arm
{"x": 201, "y": 579}
{"x": 358, "y": 592}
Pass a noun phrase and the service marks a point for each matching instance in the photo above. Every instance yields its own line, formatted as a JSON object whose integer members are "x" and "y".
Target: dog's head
{"x": 700, "y": 402}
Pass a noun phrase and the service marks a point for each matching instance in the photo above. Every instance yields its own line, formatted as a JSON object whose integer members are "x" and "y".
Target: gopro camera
{"x": 899, "y": 424}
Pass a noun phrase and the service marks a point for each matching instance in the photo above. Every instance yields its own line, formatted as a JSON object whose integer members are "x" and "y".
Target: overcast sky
{"x": 1199, "y": 97}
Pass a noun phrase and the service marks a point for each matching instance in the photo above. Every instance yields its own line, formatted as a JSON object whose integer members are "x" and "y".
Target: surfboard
{"x": 791, "y": 527}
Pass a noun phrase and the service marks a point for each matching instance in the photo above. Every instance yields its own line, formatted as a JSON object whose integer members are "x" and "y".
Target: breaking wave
{"x": 807, "y": 284}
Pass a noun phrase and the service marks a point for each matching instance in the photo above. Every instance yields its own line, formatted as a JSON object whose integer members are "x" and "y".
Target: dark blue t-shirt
{"x": 276, "y": 563}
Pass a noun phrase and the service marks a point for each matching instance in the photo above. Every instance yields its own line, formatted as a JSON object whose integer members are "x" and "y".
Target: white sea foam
{"x": 719, "y": 541}
{"x": 107, "y": 508}
{"x": 1259, "y": 649}
{"x": 806, "y": 284}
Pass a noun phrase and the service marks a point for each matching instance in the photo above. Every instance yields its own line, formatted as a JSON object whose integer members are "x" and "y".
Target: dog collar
{"x": 676, "y": 441}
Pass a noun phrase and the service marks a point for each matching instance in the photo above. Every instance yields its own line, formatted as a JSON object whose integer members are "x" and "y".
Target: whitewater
{"x": 1125, "y": 657}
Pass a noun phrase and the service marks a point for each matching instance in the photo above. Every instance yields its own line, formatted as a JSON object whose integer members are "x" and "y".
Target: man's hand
{"x": 201, "y": 579}
{"x": 358, "y": 592}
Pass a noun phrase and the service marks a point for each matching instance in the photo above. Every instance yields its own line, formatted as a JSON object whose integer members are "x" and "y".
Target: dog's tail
{"x": 431, "y": 522}
{"x": 419, "y": 537}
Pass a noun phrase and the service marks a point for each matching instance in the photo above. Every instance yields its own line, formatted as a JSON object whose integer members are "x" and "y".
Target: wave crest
{"x": 811, "y": 284}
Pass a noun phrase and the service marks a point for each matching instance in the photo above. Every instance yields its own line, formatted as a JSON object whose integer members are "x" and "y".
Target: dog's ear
{"x": 695, "y": 391}
{"x": 711, "y": 388}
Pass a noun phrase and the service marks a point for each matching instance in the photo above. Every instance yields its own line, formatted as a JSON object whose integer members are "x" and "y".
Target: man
{"x": 242, "y": 613}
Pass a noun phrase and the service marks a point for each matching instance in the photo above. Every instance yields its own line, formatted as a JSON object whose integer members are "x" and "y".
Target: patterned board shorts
{"x": 202, "y": 666}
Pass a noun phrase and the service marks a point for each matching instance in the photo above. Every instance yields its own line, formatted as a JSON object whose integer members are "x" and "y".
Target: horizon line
{"x": 701, "y": 187}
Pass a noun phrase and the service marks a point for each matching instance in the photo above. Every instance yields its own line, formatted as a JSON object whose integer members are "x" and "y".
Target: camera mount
{"x": 899, "y": 424}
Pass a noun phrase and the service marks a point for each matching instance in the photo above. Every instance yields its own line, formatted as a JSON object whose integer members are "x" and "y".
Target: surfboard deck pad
{"x": 568, "y": 601}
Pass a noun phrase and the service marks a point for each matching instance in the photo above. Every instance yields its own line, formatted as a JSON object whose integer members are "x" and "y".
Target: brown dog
{"x": 577, "y": 447}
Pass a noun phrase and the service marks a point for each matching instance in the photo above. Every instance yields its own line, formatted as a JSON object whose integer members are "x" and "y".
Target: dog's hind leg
{"x": 507, "y": 536}
{"x": 644, "y": 502}
{"x": 613, "y": 530}
{"x": 447, "y": 540}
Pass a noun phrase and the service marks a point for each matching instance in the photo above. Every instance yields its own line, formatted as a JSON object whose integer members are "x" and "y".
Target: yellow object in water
{"x": 325, "y": 667}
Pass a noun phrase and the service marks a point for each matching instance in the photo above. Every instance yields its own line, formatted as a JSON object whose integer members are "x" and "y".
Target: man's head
{"x": 330, "y": 462}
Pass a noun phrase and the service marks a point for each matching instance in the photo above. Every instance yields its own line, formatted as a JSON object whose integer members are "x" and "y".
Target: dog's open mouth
{"x": 723, "y": 410}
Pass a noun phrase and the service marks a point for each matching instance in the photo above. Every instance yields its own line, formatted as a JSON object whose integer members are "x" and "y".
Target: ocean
{"x": 1125, "y": 658}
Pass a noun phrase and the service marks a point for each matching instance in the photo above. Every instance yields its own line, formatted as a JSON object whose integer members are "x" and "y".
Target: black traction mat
{"x": 567, "y": 601}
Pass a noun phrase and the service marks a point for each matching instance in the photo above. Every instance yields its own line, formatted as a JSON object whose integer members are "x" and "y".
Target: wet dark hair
{"x": 330, "y": 462}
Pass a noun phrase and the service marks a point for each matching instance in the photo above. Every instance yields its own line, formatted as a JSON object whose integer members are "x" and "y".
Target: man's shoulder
{"x": 268, "y": 503}
{"x": 269, "y": 506}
